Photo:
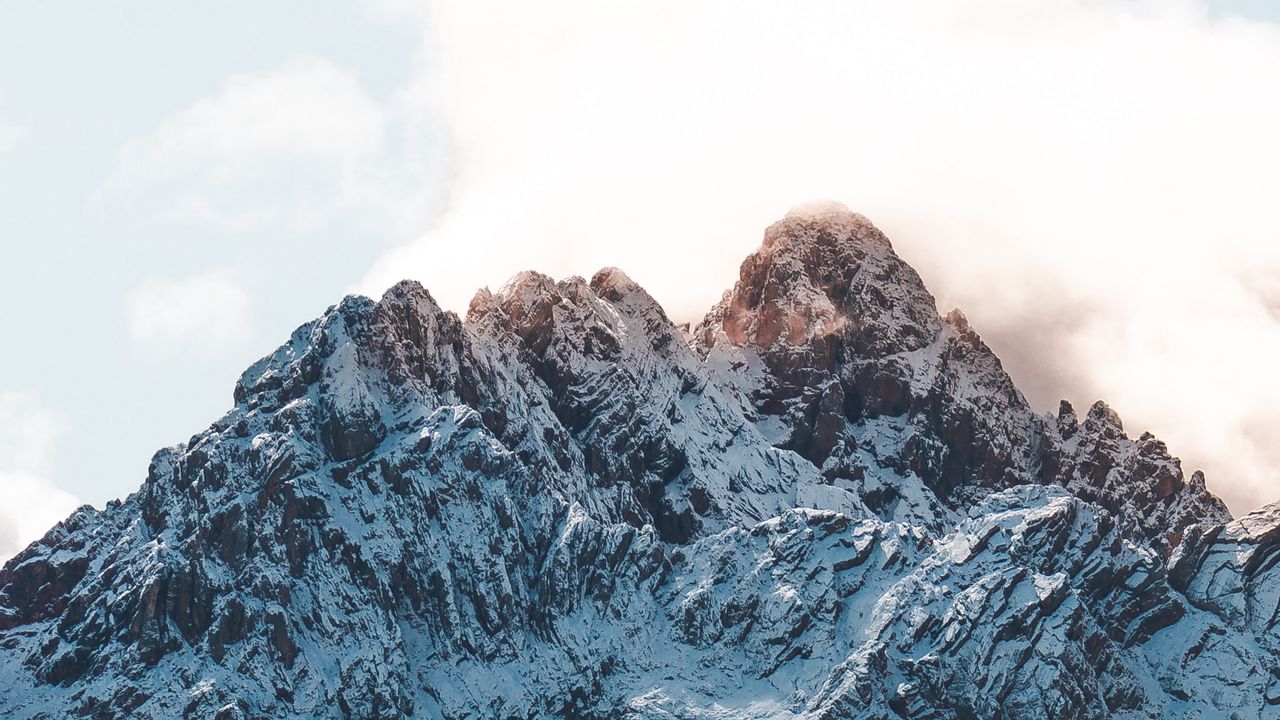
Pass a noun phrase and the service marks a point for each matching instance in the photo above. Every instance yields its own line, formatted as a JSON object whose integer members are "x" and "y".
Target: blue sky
{"x": 79, "y": 82}
{"x": 183, "y": 184}
{"x": 1260, "y": 10}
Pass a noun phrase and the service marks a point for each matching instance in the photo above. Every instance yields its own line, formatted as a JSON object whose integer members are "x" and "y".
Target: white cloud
{"x": 296, "y": 148}
{"x": 1103, "y": 169}
{"x": 32, "y": 503}
{"x": 195, "y": 313}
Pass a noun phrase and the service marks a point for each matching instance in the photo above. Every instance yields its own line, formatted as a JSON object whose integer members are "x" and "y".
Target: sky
{"x": 181, "y": 185}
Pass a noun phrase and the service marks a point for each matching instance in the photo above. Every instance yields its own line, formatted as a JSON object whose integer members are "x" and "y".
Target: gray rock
{"x": 823, "y": 501}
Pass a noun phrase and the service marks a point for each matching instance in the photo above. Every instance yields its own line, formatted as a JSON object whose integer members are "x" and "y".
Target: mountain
{"x": 825, "y": 500}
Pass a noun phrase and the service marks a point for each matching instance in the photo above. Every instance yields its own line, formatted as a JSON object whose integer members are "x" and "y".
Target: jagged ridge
{"x": 826, "y": 501}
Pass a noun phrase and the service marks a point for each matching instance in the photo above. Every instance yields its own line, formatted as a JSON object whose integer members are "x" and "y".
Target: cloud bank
{"x": 1092, "y": 182}
{"x": 297, "y": 148}
{"x": 32, "y": 504}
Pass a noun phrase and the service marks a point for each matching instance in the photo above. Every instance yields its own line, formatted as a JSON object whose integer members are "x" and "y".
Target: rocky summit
{"x": 825, "y": 500}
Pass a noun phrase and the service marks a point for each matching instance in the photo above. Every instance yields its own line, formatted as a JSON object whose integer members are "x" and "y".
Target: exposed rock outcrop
{"x": 827, "y": 501}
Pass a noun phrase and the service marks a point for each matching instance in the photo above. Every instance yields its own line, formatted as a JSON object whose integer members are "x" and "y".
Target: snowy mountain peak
{"x": 818, "y": 275}
{"x": 1067, "y": 423}
{"x": 820, "y": 208}
{"x": 1101, "y": 415}
{"x": 615, "y": 282}
{"x": 831, "y": 502}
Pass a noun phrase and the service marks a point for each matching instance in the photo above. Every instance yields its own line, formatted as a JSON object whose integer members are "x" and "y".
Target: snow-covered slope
{"x": 824, "y": 501}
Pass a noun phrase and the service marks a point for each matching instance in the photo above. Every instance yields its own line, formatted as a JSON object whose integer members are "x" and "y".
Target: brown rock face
{"x": 826, "y": 281}
{"x": 851, "y": 342}
{"x": 853, "y": 351}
